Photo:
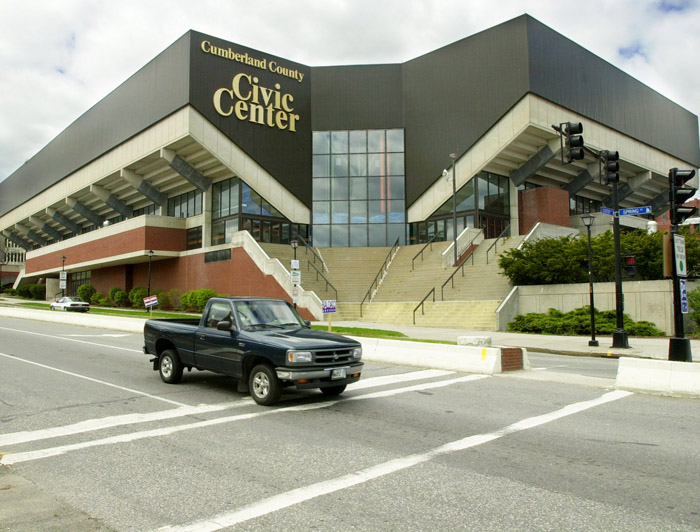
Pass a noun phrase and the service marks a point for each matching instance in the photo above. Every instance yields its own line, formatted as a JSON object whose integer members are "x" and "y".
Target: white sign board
{"x": 63, "y": 275}
{"x": 150, "y": 301}
{"x": 295, "y": 264}
{"x": 295, "y": 276}
{"x": 328, "y": 306}
{"x": 63, "y": 284}
{"x": 679, "y": 253}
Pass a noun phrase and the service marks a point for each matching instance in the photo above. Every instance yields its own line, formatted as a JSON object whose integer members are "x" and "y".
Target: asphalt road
{"x": 91, "y": 439}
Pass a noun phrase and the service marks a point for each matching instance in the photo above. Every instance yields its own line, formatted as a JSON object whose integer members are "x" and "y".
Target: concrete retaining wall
{"x": 660, "y": 376}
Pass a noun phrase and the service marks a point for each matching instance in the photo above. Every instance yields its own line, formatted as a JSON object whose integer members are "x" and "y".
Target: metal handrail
{"x": 318, "y": 272}
{"x": 496, "y": 242}
{"x": 422, "y": 310}
{"x": 459, "y": 268}
{"x": 309, "y": 248}
{"x": 376, "y": 277}
{"x": 430, "y": 243}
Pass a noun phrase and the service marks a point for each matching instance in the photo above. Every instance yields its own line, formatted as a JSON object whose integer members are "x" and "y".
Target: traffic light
{"x": 680, "y": 193}
{"x": 630, "y": 264}
{"x": 610, "y": 166}
{"x": 573, "y": 141}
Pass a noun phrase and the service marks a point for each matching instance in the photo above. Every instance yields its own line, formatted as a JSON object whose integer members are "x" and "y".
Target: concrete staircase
{"x": 470, "y": 305}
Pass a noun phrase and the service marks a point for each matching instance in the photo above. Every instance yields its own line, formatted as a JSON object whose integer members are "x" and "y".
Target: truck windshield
{"x": 260, "y": 314}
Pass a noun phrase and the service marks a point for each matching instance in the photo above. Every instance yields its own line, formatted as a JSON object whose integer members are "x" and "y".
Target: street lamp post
{"x": 63, "y": 279}
{"x": 150, "y": 255}
{"x": 453, "y": 156}
{"x": 587, "y": 220}
{"x": 295, "y": 244}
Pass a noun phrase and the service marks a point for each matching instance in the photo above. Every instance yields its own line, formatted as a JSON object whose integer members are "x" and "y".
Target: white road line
{"x": 299, "y": 495}
{"x": 71, "y": 340}
{"x": 91, "y": 425}
{"x": 16, "y": 458}
{"x": 104, "y": 383}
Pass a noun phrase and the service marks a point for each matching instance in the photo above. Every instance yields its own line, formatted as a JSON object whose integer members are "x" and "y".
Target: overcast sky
{"x": 60, "y": 57}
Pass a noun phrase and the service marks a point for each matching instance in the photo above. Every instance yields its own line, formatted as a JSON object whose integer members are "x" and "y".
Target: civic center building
{"x": 194, "y": 171}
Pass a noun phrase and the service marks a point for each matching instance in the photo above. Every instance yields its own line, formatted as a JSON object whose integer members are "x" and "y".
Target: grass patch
{"x": 122, "y": 312}
{"x": 378, "y": 333}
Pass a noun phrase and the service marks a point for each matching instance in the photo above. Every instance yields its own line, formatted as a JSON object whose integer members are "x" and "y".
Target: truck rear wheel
{"x": 264, "y": 386}
{"x": 170, "y": 367}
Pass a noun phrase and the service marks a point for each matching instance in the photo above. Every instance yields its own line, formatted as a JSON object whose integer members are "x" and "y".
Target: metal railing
{"x": 459, "y": 268}
{"x": 429, "y": 243}
{"x": 309, "y": 248}
{"x": 318, "y": 272}
{"x": 382, "y": 269}
{"x": 507, "y": 229}
{"x": 420, "y": 305}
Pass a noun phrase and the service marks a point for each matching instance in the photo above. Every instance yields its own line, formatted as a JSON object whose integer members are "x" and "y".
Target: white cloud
{"x": 57, "y": 59}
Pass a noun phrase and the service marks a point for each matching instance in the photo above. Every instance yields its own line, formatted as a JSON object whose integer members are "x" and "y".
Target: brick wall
{"x": 511, "y": 358}
{"x": 543, "y": 204}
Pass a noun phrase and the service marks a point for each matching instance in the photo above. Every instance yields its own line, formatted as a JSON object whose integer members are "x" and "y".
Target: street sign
{"x": 635, "y": 210}
{"x": 295, "y": 276}
{"x": 679, "y": 253}
{"x": 63, "y": 284}
{"x": 150, "y": 301}
{"x": 328, "y": 306}
{"x": 63, "y": 275}
{"x": 684, "y": 296}
{"x": 608, "y": 211}
{"x": 295, "y": 264}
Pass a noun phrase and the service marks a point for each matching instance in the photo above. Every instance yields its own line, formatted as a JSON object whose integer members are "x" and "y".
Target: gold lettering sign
{"x": 249, "y": 101}
{"x": 263, "y": 64}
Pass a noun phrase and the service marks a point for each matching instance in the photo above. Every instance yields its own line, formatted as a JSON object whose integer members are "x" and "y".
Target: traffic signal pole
{"x": 678, "y": 345}
{"x": 620, "y": 338}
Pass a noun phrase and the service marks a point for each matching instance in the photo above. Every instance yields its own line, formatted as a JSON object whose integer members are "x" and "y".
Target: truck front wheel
{"x": 264, "y": 386}
{"x": 170, "y": 367}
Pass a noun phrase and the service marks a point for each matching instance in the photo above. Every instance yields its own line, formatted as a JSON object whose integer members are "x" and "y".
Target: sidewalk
{"x": 653, "y": 348}
{"x": 656, "y": 348}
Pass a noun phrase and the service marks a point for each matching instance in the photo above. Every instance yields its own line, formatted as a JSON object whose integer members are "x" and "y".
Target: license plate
{"x": 339, "y": 373}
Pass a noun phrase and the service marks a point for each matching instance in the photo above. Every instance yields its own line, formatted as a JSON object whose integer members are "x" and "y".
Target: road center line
{"x": 104, "y": 383}
{"x": 299, "y": 495}
{"x": 91, "y": 425}
{"x": 15, "y": 458}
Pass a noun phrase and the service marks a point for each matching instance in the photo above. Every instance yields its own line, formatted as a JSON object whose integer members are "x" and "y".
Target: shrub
{"x": 137, "y": 295}
{"x": 201, "y": 297}
{"x": 120, "y": 297}
{"x": 24, "y": 291}
{"x": 578, "y": 322}
{"x": 112, "y": 293}
{"x": 85, "y": 292}
{"x": 96, "y": 297}
{"x": 164, "y": 300}
{"x": 174, "y": 297}
{"x": 38, "y": 291}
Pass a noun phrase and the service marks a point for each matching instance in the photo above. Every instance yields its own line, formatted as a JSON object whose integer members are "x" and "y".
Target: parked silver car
{"x": 71, "y": 303}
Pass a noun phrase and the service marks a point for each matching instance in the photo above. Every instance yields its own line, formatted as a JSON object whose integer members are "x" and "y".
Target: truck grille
{"x": 333, "y": 356}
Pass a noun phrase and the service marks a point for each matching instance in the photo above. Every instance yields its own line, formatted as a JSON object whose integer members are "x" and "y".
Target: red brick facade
{"x": 543, "y": 204}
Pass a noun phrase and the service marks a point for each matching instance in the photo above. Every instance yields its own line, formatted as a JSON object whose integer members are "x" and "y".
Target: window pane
{"x": 225, "y": 199}
{"x": 375, "y": 141}
{"x": 394, "y": 140}
{"x": 396, "y": 211}
{"x": 358, "y": 141}
{"x": 339, "y": 165}
{"x": 251, "y": 201}
{"x": 322, "y": 236}
{"x": 358, "y": 235}
{"x": 218, "y": 233}
{"x": 339, "y": 212}
{"x": 375, "y": 189}
{"x": 339, "y": 141}
{"x": 231, "y": 227}
{"x": 358, "y": 212}
{"x": 321, "y": 189}
{"x": 375, "y": 164}
{"x": 358, "y": 164}
{"x": 321, "y": 142}
{"x": 339, "y": 236}
{"x": 322, "y": 212}
{"x": 465, "y": 197}
{"x": 394, "y": 164}
{"x": 322, "y": 166}
{"x": 358, "y": 188}
{"x": 339, "y": 188}
{"x": 235, "y": 196}
{"x": 215, "y": 200}
{"x": 377, "y": 235}
{"x": 396, "y": 187}
{"x": 377, "y": 212}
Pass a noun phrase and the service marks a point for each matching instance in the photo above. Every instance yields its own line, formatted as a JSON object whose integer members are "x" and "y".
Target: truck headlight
{"x": 300, "y": 357}
{"x": 357, "y": 353}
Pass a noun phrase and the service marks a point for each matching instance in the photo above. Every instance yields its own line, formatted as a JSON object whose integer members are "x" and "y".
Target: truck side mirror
{"x": 307, "y": 323}
{"x": 226, "y": 326}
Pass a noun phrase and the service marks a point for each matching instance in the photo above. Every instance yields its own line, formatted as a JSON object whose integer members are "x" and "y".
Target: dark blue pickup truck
{"x": 263, "y": 343}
